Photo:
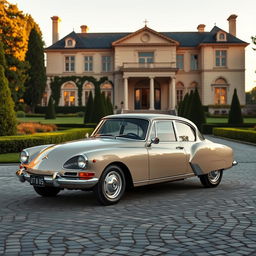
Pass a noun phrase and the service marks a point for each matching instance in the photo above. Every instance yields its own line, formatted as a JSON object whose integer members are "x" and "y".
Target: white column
{"x": 125, "y": 93}
{"x": 173, "y": 92}
{"x": 170, "y": 94}
{"x": 151, "y": 94}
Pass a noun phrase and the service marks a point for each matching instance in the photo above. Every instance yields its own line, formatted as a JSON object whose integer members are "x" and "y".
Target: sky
{"x": 162, "y": 16}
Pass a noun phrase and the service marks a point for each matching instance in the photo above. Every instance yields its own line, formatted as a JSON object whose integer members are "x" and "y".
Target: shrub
{"x": 88, "y": 109}
{"x": 61, "y": 109}
{"x": 31, "y": 128}
{"x": 236, "y": 133}
{"x": 20, "y": 113}
{"x": 10, "y": 144}
{"x": 208, "y": 128}
{"x": 50, "y": 113}
{"x": 235, "y": 114}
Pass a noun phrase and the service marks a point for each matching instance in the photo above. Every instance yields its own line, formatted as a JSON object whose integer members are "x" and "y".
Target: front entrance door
{"x": 141, "y": 98}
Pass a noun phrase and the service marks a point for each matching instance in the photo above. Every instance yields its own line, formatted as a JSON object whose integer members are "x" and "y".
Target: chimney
{"x": 232, "y": 24}
{"x": 200, "y": 27}
{"x": 84, "y": 29}
{"x": 55, "y": 29}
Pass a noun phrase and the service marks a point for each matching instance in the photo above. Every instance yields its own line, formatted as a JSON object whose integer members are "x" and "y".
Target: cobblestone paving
{"x": 179, "y": 218}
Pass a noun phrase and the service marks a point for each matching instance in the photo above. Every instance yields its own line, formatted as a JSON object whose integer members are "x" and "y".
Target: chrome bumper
{"x": 61, "y": 182}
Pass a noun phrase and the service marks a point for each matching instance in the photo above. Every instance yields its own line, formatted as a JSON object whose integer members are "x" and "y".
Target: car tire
{"x": 47, "y": 191}
{"x": 111, "y": 185}
{"x": 211, "y": 179}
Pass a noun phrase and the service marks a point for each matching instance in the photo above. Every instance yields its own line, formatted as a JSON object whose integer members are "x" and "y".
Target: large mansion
{"x": 147, "y": 69}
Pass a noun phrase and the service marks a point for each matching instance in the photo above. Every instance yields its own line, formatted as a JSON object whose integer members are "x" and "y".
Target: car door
{"x": 167, "y": 158}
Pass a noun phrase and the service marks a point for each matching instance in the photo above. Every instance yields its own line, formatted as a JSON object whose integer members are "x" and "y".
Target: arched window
{"x": 87, "y": 88}
{"x": 69, "y": 94}
{"x": 107, "y": 89}
{"x": 46, "y": 95}
{"x": 179, "y": 92}
{"x": 220, "y": 91}
{"x": 70, "y": 42}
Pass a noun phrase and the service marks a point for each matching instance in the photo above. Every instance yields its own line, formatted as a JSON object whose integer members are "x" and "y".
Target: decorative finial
{"x": 214, "y": 23}
{"x": 145, "y": 21}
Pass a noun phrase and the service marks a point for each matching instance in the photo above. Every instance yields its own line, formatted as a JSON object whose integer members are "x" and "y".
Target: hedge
{"x": 236, "y": 133}
{"x": 89, "y": 125}
{"x": 10, "y": 144}
{"x": 208, "y": 128}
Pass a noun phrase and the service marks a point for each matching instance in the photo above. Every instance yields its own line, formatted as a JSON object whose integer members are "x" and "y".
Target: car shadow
{"x": 75, "y": 199}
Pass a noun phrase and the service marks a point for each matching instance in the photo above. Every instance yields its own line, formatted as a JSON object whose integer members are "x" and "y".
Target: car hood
{"x": 54, "y": 156}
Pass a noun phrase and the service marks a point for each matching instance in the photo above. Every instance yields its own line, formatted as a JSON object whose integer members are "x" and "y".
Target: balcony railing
{"x": 154, "y": 65}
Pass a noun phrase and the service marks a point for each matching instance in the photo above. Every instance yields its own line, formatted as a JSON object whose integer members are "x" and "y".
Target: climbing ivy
{"x": 57, "y": 82}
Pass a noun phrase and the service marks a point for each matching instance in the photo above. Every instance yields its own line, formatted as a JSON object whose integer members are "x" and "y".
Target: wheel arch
{"x": 127, "y": 173}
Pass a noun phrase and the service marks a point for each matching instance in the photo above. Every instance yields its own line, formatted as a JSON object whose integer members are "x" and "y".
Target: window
{"x": 88, "y": 63}
{"x": 220, "y": 95}
{"x": 179, "y": 92}
{"x": 69, "y": 63}
{"x": 180, "y": 61}
{"x": 87, "y": 88}
{"x": 221, "y": 58}
{"x": 70, "y": 43}
{"x": 106, "y": 63}
{"x": 185, "y": 132}
{"x": 222, "y": 36}
{"x": 45, "y": 99}
{"x": 69, "y": 94}
{"x": 146, "y": 57}
{"x": 194, "y": 62}
{"x": 165, "y": 131}
{"x": 126, "y": 127}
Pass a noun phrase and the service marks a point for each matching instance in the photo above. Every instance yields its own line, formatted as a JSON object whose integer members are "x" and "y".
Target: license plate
{"x": 37, "y": 181}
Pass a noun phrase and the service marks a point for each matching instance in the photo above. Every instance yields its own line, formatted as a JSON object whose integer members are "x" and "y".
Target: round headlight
{"x": 24, "y": 157}
{"x": 82, "y": 162}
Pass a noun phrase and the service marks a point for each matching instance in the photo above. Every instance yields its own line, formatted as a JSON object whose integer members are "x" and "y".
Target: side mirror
{"x": 154, "y": 141}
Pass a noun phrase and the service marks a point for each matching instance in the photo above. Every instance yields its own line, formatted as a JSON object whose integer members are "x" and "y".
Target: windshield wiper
{"x": 104, "y": 135}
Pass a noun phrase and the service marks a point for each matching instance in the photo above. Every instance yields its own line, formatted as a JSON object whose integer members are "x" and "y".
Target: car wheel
{"x": 212, "y": 179}
{"x": 47, "y": 191}
{"x": 111, "y": 185}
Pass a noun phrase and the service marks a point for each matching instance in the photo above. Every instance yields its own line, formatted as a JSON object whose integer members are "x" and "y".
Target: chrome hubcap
{"x": 112, "y": 185}
{"x": 214, "y": 176}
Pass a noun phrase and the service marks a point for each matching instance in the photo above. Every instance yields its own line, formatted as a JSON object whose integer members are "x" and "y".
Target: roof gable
{"x": 145, "y": 36}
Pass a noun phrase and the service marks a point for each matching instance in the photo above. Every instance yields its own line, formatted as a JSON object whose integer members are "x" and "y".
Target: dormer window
{"x": 221, "y": 36}
{"x": 70, "y": 43}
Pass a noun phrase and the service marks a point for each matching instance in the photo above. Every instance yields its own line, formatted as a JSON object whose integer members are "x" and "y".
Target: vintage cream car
{"x": 123, "y": 151}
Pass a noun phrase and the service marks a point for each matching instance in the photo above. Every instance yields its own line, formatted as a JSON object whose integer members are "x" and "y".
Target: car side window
{"x": 185, "y": 132}
{"x": 165, "y": 131}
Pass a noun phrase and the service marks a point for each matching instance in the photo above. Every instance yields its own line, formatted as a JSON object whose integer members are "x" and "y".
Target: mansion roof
{"x": 105, "y": 40}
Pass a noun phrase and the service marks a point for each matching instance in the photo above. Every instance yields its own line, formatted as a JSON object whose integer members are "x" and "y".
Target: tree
{"x": 35, "y": 84}
{"x": 182, "y": 105}
{"x": 196, "y": 113}
{"x": 15, "y": 28}
{"x": 8, "y": 121}
{"x": 50, "y": 112}
{"x": 235, "y": 113}
{"x": 188, "y": 104}
{"x": 98, "y": 106}
{"x": 251, "y": 96}
{"x": 88, "y": 109}
{"x": 109, "y": 106}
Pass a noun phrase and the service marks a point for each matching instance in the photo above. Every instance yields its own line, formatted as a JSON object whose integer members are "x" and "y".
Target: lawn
{"x": 10, "y": 158}
{"x": 58, "y": 120}
{"x": 214, "y": 120}
{"x": 79, "y": 120}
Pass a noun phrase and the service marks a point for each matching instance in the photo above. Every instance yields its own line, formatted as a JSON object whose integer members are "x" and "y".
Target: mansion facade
{"x": 147, "y": 69}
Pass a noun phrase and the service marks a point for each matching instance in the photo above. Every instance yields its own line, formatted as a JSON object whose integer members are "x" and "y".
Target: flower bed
{"x": 31, "y": 128}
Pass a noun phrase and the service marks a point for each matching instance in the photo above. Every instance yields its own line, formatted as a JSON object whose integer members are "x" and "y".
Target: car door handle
{"x": 179, "y": 147}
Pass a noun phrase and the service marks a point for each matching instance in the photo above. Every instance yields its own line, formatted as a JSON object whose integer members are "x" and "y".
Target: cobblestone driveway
{"x": 179, "y": 218}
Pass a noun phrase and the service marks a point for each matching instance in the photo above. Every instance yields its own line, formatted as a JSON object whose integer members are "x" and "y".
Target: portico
{"x": 153, "y": 92}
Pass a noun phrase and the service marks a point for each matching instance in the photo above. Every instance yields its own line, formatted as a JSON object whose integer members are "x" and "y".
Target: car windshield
{"x": 131, "y": 128}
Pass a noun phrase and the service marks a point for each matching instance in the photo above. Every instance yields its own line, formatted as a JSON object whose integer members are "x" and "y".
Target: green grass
{"x": 58, "y": 120}
{"x": 10, "y": 158}
{"x": 214, "y": 120}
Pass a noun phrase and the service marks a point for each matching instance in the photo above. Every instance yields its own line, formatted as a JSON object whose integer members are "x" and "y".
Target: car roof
{"x": 150, "y": 117}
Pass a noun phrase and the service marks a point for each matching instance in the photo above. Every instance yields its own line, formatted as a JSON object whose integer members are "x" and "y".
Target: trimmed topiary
{"x": 188, "y": 105}
{"x": 182, "y": 105}
{"x": 235, "y": 113}
{"x": 196, "y": 113}
{"x": 98, "y": 106}
{"x": 50, "y": 111}
{"x": 88, "y": 109}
